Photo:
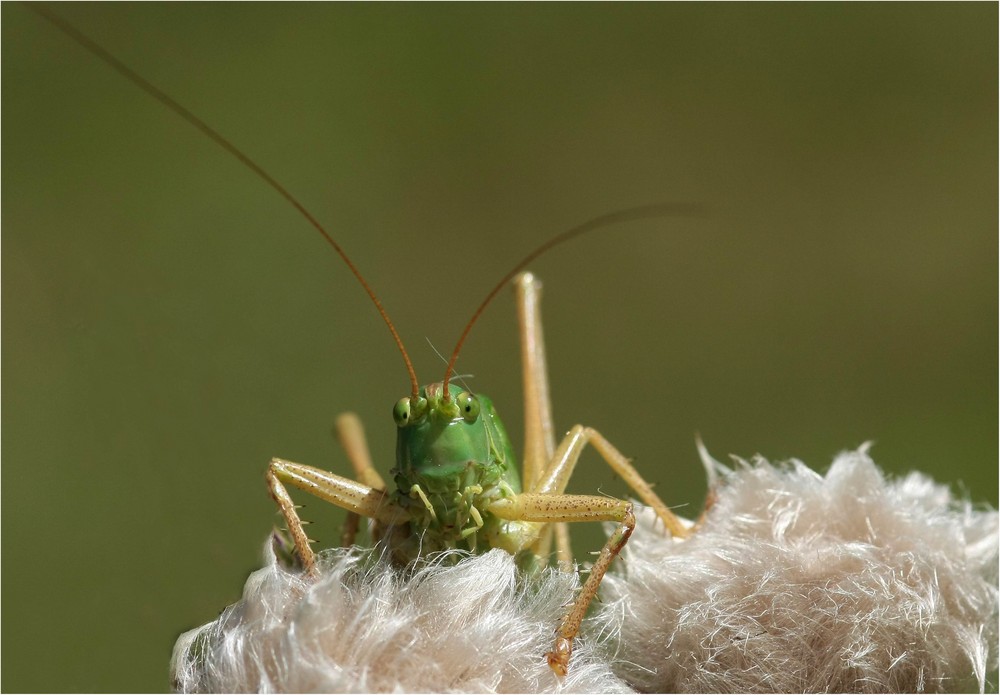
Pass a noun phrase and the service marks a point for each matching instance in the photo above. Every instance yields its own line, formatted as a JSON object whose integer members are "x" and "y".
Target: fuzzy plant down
{"x": 801, "y": 582}
{"x": 793, "y": 582}
{"x": 477, "y": 625}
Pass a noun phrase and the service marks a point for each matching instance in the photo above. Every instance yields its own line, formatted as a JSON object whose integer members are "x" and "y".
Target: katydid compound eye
{"x": 468, "y": 405}
{"x": 401, "y": 412}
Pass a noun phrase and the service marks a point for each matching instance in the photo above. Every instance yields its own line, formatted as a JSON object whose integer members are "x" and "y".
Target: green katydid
{"x": 457, "y": 483}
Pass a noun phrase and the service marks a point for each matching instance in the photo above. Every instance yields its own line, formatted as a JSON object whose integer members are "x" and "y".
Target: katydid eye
{"x": 468, "y": 405}
{"x": 401, "y": 412}
{"x": 408, "y": 411}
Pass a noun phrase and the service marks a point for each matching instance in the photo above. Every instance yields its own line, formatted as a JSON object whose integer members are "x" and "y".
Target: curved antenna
{"x": 216, "y": 137}
{"x": 642, "y": 212}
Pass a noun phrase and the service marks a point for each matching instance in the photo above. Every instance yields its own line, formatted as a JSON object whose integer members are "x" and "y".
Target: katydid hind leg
{"x": 539, "y": 430}
{"x": 564, "y": 549}
{"x": 556, "y": 476}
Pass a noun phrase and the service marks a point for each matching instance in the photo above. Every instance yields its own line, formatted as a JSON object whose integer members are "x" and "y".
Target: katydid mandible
{"x": 457, "y": 483}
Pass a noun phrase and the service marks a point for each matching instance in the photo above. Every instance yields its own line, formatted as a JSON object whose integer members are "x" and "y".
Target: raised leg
{"x": 348, "y": 494}
{"x": 539, "y": 431}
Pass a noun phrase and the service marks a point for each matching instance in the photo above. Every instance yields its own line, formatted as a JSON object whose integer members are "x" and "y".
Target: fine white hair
{"x": 792, "y": 582}
{"x": 479, "y": 625}
{"x": 798, "y": 582}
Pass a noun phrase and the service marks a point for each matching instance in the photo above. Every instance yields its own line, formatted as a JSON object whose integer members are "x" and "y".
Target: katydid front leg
{"x": 548, "y": 491}
{"x": 572, "y": 508}
{"x": 348, "y": 494}
{"x": 547, "y": 503}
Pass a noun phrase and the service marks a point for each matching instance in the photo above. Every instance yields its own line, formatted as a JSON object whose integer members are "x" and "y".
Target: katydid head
{"x": 441, "y": 441}
{"x": 432, "y": 403}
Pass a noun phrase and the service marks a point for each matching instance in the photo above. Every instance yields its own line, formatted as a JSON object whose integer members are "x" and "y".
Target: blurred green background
{"x": 169, "y": 323}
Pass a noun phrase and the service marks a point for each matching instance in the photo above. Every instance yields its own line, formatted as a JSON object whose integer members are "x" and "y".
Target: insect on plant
{"x": 456, "y": 479}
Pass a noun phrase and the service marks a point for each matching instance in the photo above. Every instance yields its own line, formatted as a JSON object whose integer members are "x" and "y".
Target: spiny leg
{"x": 345, "y": 493}
{"x": 539, "y": 431}
{"x": 292, "y": 521}
{"x": 351, "y": 435}
{"x": 555, "y": 479}
{"x": 573, "y": 508}
{"x": 558, "y": 658}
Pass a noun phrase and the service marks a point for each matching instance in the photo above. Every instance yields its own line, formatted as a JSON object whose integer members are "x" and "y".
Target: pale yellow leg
{"x": 555, "y": 479}
{"x": 345, "y": 493}
{"x": 349, "y": 532}
{"x": 558, "y": 658}
{"x": 292, "y": 521}
{"x": 539, "y": 431}
{"x": 547, "y": 471}
{"x": 571, "y": 508}
{"x": 351, "y": 435}
{"x": 564, "y": 550}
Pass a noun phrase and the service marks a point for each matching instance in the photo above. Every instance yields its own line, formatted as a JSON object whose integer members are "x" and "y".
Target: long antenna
{"x": 215, "y": 136}
{"x": 642, "y": 212}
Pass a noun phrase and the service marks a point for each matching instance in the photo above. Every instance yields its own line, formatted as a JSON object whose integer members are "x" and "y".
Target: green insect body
{"x": 457, "y": 483}
{"x": 453, "y": 460}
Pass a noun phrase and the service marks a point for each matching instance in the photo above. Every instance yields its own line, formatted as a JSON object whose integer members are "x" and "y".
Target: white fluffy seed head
{"x": 794, "y": 582}
{"x": 797, "y": 582}
{"x": 474, "y": 626}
